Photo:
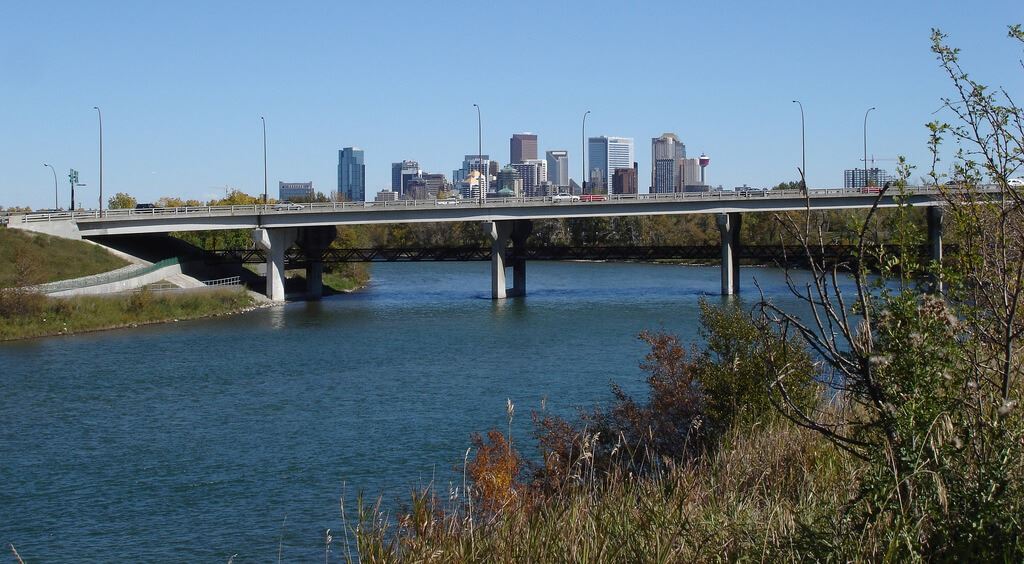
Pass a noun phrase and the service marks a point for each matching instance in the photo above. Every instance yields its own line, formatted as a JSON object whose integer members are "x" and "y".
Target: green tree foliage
{"x": 121, "y": 201}
{"x": 236, "y": 198}
{"x": 174, "y": 202}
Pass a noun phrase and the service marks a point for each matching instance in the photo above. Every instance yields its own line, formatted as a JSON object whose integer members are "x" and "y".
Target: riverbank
{"x": 28, "y": 315}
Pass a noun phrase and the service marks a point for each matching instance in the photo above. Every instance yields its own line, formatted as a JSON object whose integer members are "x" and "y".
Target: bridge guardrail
{"x": 320, "y": 207}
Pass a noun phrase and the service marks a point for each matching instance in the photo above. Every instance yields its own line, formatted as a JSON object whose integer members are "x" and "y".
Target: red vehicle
{"x": 593, "y": 198}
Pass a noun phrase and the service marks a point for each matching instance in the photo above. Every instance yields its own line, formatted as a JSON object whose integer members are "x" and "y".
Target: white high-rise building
{"x": 558, "y": 168}
{"x": 691, "y": 172}
{"x": 606, "y": 155}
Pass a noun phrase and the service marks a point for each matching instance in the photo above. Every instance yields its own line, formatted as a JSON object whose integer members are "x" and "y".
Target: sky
{"x": 182, "y": 86}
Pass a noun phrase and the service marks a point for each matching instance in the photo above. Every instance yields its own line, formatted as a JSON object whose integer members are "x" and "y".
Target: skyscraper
{"x": 401, "y": 174}
{"x": 351, "y": 174}
{"x": 471, "y": 163}
{"x": 691, "y": 175}
{"x": 667, "y": 155}
{"x": 533, "y": 172}
{"x": 624, "y": 181}
{"x": 509, "y": 181}
{"x": 295, "y": 191}
{"x": 522, "y": 147}
{"x": 606, "y": 155}
{"x": 558, "y": 168}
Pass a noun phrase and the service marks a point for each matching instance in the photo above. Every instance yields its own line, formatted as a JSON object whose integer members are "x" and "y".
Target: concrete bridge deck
{"x": 275, "y": 228}
{"x": 270, "y": 216}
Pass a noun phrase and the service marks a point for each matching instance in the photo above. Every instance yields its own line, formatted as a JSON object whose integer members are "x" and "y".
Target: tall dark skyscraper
{"x": 351, "y": 174}
{"x": 522, "y": 147}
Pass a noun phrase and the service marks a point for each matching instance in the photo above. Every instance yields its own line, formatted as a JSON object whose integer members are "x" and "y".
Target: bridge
{"x": 276, "y": 228}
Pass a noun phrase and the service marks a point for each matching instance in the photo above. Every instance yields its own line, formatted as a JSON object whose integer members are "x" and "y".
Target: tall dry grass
{"x": 751, "y": 499}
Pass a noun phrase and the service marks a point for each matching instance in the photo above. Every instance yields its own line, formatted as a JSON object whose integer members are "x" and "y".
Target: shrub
{"x": 696, "y": 396}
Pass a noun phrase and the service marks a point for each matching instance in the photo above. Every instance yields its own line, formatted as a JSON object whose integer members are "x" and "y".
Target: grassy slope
{"x": 52, "y": 258}
{"x": 53, "y": 316}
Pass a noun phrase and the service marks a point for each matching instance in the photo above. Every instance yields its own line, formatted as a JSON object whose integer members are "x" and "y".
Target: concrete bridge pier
{"x": 275, "y": 242}
{"x": 729, "y": 226}
{"x": 500, "y": 233}
{"x": 314, "y": 241}
{"x": 935, "y": 219}
{"x": 521, "y": 229}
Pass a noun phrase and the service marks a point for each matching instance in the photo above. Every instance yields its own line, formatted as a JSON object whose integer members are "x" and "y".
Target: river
{"x": 195, "y": 441}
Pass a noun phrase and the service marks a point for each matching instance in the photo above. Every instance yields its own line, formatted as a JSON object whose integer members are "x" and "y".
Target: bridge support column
{"x": 729, "y": 227}
{"x": 935, "y": 220}
{"x": 521, "y": 229}
{"x": 499, "y": 232}
{"x": 275, "y": 242}
{"x": 314, "y": 241}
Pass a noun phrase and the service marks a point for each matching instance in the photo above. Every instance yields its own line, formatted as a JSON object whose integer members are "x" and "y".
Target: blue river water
{"x": 199, "y": 440}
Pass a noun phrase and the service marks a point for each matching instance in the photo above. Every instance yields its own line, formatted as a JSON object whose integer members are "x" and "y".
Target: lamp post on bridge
{"x": 264, "y": 160}
{"x": 100, "y": 115}
{"x": 803, "y": 149}
{"x": 480, "y": 153}
{"x": 866, "y": 145}
{"x": 55, "y": 205}
{"x": 583, "y": 153}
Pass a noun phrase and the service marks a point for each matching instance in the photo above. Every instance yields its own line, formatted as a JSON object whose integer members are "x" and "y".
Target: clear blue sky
{"x": 182, "y": 86}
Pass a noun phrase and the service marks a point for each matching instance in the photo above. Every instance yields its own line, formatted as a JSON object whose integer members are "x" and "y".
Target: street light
{"x": 583, "y": 153}
{"x": 100, "y": 114}
{"x": 55, "y": 206}
{"x": 803, "y": 148}
{"x": 866, "y": 145}
{"x": 479, "y": 152}
{"x": 264, "y": 160}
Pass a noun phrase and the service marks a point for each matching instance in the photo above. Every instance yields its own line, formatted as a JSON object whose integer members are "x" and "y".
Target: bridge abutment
{"x": 275, "y": 242}
{"x": 729, "y": 227}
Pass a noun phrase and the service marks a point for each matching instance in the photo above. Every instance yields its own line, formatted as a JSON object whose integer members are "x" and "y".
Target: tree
{"x": 929, "y": 384}
{"x": 121, "y": 201}
{"x": 237, "y": 198}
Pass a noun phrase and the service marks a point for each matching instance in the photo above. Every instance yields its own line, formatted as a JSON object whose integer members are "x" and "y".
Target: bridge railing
{"x": 321, "y": 207}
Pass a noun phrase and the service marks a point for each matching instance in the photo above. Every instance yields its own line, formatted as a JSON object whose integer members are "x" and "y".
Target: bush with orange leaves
{"x": 494, "y": 472}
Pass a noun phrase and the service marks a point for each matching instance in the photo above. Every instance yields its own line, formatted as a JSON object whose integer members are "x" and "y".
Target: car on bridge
{"x": 447, "y": 202}
{"x": 593, "y": 198}
{"x": 563, "y": 197}
{"x": 1015, "y": 181}
{"x": 287, "y": 206}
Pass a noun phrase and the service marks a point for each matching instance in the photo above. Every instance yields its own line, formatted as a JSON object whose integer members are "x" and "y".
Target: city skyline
{"x": 182, "y": 95}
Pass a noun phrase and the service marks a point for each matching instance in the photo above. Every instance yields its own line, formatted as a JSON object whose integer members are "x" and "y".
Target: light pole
{"x": 479, "y": 152}
{"x": 264, "y": 160}
{"x": 55, "y": 206}
{"x": 100, "y": 114}
{"x": 583, "y": 153}
{"x": 866, "y": 145}
{"x": 803, "y": 148}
